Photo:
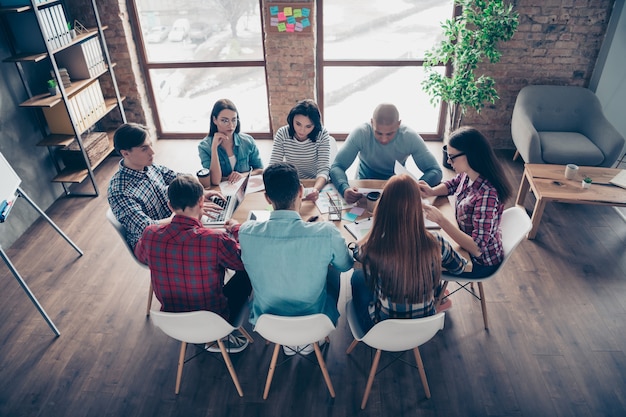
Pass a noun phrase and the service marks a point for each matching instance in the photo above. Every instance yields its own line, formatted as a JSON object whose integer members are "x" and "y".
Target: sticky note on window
{"x": 306, "y": 12}
{"x": 282, "y": 27}
{"x": 305, "y": 23}
{"x": 273, "y": 10}
{"x": 281, "y": 17}
{"x": 288, "y": 11}
{"x": 297, "y": 12}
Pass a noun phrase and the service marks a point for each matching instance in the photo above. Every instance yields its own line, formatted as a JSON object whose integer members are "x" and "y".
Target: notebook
{"x": 230, "y": 205}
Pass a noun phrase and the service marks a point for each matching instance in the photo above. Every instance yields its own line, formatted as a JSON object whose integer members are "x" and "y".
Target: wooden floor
{"x": 556, "y": 346}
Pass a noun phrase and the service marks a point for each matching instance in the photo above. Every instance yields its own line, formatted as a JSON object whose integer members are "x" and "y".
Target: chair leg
{"x": 322, "y": 363}
{"x": 246, "y": 334}
{"x": 149, "y": 300}
{"x": 370, "y": 380}
{"x": 483, "y": 304}
{"x": 181, "y": 363}
{"x": 270, "y": 373}
{"x": 516, "y": 155}
{"x": 420, "y": 367}
{"x": 230, "y": 367}
{"x": 352, "y": 346}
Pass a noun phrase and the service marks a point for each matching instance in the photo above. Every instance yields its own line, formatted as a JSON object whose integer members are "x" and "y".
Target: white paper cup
{"x": 570, "y": 171}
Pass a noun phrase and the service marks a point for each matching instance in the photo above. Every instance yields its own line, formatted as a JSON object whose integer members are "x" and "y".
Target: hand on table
{"x": 234, "y": 177}
{"x": 312, "y": 194}
{"x": 352, "y": 195}
{"x": 432, "y": 213}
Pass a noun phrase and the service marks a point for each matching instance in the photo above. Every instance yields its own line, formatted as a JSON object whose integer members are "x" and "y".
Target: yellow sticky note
{"x": 288, "y": 11}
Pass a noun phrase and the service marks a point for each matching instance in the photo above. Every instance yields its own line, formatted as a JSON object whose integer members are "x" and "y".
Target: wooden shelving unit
{"x": 78, "y": 108}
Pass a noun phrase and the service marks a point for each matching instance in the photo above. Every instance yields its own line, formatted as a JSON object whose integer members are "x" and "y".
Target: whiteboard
{"x": 9, "y": 180}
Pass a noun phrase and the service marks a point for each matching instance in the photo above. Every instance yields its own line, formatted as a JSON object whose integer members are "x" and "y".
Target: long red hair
{"x": 399, "y": 252}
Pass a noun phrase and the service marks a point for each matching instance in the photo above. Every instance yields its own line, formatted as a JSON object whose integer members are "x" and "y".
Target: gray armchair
{"x": 562, "y": 125}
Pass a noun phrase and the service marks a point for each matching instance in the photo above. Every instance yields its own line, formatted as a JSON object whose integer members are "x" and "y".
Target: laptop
{"x": 230, "y": 205}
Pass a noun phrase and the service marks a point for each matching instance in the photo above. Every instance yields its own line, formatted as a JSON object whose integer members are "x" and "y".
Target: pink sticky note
{"x": 281, "y": 17}
{"x": 291, "y": 27}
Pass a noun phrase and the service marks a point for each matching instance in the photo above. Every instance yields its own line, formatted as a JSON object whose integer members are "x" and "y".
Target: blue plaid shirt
{"x": 382, "y": 308}
{"x": 139, "y": 198}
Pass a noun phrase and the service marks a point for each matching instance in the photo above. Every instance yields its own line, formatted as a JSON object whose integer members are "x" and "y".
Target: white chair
{"x": 394, "y": 335}
{"x": 119, "y": 228}
{"x": 198, "y": 327}
{"x": 515, "y": 225}
{"x": 333, "y": 148}
{"x": 295, "y": 331}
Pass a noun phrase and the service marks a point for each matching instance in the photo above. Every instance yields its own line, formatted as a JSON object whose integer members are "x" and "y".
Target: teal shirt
{"x": 244, "y": 149}
{"x": 377, "y": 161}
{"x": 287, "y": 260}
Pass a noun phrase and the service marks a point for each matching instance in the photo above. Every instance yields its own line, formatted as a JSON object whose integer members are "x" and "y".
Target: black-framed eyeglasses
{"x": 453, "y": 157}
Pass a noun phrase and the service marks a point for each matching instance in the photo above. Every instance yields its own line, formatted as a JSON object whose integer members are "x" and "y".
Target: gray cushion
{"x": 569, "y": 148}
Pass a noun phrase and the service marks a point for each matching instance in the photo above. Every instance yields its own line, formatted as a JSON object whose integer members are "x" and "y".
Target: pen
{"x": 364, "y": 220}
{"x": 312, "y": 219}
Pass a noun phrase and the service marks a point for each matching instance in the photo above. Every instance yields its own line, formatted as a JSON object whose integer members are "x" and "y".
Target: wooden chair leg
{"x": 483, "y": 304}
{"x": 420, "y": 367}
{"x": 230, "y": 367}
{"x": 270, "y": 373}
{"x": 352, "y": 346}
{"x": 370, "y": 380}
{"x": 149, "y": 300}
{"x": 320, "y": 360}
{"x": 516, "y": 155}
{"x": 181, "y": 363}
{"x": 246, "y": 334}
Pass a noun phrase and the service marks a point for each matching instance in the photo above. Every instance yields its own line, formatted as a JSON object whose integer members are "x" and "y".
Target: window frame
{"x": 322, "y": 63}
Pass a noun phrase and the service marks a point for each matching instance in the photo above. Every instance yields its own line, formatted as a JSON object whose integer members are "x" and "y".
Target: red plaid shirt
{"x": 478, "y": 213}
{"x": 187, "y": 263}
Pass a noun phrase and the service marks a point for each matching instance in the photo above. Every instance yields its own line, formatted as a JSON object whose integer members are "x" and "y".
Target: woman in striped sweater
{"x": 305, "y": 143}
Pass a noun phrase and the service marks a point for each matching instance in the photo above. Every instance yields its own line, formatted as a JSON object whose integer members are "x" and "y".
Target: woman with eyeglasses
{"x": 305, "y": 143}
{"x": 225, "y": 151}
{"x": 401, "y": 259}
{"x": 481, "y": 189}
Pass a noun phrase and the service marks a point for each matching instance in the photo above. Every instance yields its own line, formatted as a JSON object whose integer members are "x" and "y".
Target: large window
{"x": 197, "y": 52}
{"x": 372, "y": 52}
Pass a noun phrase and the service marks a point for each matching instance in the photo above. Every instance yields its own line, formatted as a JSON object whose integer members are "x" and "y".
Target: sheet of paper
{"x": 399, "y": 169}
{"x": 227, "y": 188}
{"x": 323, "y": 204}
{"x": 255, "y": 184}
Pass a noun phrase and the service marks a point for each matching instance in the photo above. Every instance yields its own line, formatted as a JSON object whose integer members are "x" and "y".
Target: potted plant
{"x": 53, "y": 87}
{"x": 586, "y": 183}
{"x": 469, "y": 39}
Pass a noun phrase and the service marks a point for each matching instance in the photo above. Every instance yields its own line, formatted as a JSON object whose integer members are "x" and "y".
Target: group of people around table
{"x": 289, "y": 267}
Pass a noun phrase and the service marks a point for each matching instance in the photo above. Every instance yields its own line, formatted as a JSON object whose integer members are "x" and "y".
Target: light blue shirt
{"x": 377, "y": 160}
{"x": 287, "y": 260}
{"x": 244, "y": 149}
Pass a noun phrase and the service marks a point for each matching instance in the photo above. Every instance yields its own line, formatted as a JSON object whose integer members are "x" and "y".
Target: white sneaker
{"x": 302, "y": 350}
{"x": 233, "y": 344}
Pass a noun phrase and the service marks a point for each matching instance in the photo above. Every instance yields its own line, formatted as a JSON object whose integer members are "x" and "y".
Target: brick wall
{"x": 290, "y": 63}
{"x": 123, "y": 52}
{"x": 557, "y": 42}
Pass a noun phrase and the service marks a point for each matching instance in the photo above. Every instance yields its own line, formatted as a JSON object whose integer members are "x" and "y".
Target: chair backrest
{"x": 333, "y": 148}
{"x": 294, "y": 330}
{"x": 559, "y": 108}
{"x": 515, "y": 225}
{"x": 119, "y": 228}
{"x": 192, "y": 327}
{"x": 398, "y": 335}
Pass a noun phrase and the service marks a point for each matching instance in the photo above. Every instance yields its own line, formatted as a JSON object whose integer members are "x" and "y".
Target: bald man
{"x": 379, "y": 144}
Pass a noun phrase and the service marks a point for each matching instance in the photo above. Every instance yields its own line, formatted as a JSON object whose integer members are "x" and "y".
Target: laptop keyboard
{"x": 221, "y": 216}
